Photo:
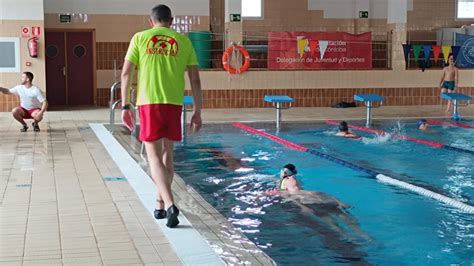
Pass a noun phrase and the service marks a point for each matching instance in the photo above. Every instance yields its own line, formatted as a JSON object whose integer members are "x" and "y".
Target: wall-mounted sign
{"x": 319, "y": 50}
{"x": 25, "y": 32}
{"x": 363, "y": 14}
{"x": 36, "y": 31}
{"x": 235, "y": 18}
{"x": 64, "y": 18}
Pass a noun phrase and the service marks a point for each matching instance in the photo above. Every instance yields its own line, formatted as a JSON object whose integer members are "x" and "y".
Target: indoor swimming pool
{"x": 233, "y": 168}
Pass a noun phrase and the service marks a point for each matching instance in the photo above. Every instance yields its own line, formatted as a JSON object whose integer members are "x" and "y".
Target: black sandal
{"x": 160, "y": 213}
{"x": 24, "y": 128}
{"x": 36, "y": 127}
{"x": 172, "y": 215}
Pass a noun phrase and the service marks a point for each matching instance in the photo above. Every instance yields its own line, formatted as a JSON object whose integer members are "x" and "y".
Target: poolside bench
{"x": 279, "y": 102}
{"x": 368, "y": 99}
{"x": 456, "y": 98}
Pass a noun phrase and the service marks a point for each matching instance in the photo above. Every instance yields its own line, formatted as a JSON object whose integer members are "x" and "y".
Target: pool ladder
{"x": 114, "y": 102}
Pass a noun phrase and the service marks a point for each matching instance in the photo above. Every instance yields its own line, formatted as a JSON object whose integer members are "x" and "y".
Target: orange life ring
{"x": 226, "y": 55}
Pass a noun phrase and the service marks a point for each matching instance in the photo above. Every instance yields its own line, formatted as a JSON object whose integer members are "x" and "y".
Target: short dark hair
{"x": 161, "y": 13}
{"x": 447, "y": 61}
{"x": 343, "y": 126}
{"x": 29, "y": 75}
{"x": 291, "y": 167}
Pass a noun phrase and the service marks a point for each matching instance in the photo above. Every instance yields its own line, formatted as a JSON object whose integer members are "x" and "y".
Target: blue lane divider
{"x": 452, "y": 148}
{"x": 343, "y": 163}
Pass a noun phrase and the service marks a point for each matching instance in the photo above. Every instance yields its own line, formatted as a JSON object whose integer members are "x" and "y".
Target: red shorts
{"x": 160, "y": 121}
{"x": 28, "y": 113}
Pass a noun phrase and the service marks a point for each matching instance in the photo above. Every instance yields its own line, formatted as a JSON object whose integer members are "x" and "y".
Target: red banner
{"x": 319, "y": 50}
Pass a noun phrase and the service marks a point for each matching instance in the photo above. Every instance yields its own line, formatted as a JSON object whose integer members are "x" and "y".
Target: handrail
{"x": 114, "y": 103}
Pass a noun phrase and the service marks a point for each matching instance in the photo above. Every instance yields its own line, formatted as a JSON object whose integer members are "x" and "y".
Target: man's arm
{"x": 44, "y": 106}
{"x": 128, "y": 70}
{"x": 195, "y": 80}
{"x": 5, "y": 90}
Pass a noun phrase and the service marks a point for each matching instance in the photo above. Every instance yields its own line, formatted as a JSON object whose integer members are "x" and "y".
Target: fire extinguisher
{"x": 33, "y": 47}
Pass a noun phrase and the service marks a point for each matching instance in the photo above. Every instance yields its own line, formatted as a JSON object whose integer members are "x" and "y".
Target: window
{"x": 465, "y": 9}
{"x": 9, "y": 54}
{"x": 252, "y": 8}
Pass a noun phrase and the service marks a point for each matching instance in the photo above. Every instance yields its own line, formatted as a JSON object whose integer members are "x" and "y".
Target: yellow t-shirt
{"x": 162, "y": 56}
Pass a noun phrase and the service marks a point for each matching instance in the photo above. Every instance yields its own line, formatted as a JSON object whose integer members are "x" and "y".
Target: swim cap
{"x": 343, "y": 126}
{"x": 289, "y": 170}
{"x": 420, "y": 122}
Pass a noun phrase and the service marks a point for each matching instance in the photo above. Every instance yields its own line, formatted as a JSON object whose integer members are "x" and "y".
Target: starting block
{"x": 456, "y": 98}
{"x": 368, "y": 99}
{"x": 278, "y": 102}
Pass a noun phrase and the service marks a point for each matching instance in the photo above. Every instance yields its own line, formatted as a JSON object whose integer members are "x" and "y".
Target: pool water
{"x": 386, "y": 225}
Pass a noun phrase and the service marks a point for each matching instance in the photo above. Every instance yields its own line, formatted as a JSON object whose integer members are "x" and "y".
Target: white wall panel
{"x": 378, "y": 9}
{"x": 126, "y": 7}
{"x": 21, "y": 10}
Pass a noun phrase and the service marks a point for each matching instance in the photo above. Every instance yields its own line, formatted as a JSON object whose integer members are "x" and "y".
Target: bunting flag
{"x": 426, "y": 52}
{"x": 446, "y": 51}
{"x": 416, "y": 51}
{"x": 406, "y": 51}
{"x": 302, "y": 43}
{"x": 313, "y": 44}
{"x": 455, "y": 51}
{"x": 436, "y": 51}
{"x": 323, "y": 45}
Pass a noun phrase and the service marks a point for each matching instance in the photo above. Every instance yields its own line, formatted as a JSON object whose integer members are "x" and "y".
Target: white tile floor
{"x": 56, "y": 207}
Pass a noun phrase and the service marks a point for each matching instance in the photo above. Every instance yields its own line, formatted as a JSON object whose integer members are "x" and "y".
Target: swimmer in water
{"x": 326, "y": 208}
{"x": 422, "y": 124}
{"x": 345, "y": 132}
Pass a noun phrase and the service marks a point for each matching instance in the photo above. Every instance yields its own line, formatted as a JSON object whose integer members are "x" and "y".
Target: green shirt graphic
{"x": 162, "y": 56}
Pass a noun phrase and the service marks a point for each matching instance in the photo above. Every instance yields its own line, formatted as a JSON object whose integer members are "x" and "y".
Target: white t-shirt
{"x": 30, "y": 98}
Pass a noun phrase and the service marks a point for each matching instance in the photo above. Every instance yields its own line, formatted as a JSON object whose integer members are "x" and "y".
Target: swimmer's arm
{"x": 5, "y": 90}
{"x": 352, "y": 136}
{"x": 128, "y": 70}
{"x": 272, "y": 192}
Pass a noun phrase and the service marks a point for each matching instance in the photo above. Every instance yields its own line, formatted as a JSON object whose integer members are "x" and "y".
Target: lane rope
{"x": 379, "y": 176}
{"x": 417, "y": 140}
{"x": 442, "y": 123}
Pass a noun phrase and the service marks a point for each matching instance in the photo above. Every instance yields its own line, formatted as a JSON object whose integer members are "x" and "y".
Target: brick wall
{"x": 310, "y": 97}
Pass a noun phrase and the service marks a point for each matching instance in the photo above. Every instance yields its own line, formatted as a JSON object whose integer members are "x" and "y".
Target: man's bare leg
{"x": 155, "y": 151}
{"x": 167, "y": 159}
{"x": 159, "y": 173}
{"x": 37, "y": 117}
{"x": 19, "y": 114}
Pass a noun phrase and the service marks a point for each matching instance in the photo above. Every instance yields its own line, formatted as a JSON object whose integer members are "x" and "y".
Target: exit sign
{"x": 65, "y": 18}
{"x": 363, "y": 14}
{"x": 234, "y": 17}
